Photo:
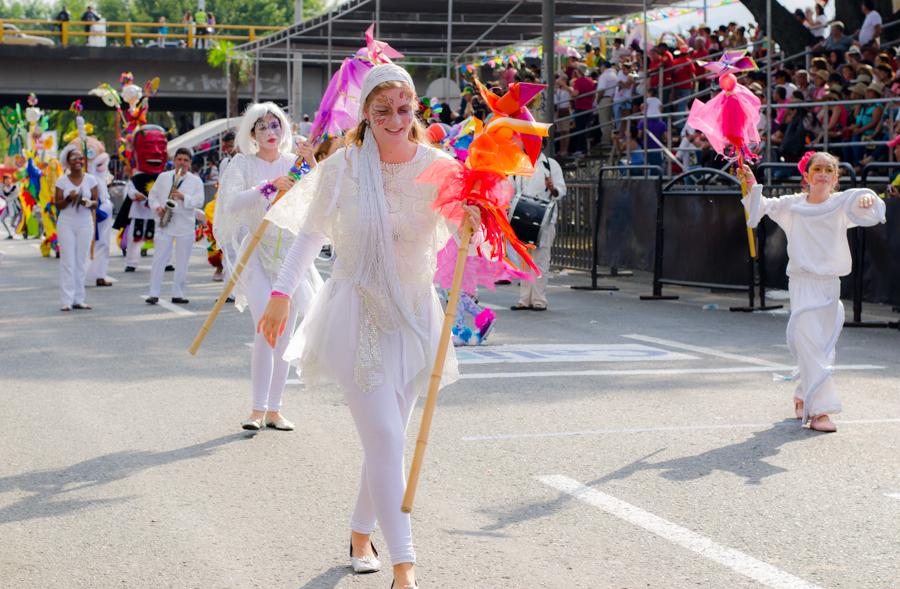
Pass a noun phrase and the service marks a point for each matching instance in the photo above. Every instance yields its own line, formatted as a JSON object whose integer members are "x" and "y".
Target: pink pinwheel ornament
{"x": 379, "y": 51}
{"x": 730, "y": 120}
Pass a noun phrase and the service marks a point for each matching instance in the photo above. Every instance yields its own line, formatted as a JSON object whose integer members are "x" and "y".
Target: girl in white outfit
{"x": 76, "y": 198}
{"x": 246, "y": 191}
{"x": 816, "y": 224}
{"x": 374, "y": 328}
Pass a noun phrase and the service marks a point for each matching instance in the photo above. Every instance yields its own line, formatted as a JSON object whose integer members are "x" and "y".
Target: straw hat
{"x": 833, "y": 95}
{"x": 822, "y": 75}
{"x": 876, "y": 87}
{"x": 863, "y": 79}
{"x": 858, "y": 88}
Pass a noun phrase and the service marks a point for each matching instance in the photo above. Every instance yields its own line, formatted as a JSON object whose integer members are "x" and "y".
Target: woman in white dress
{"x": 75, "y": 198}
{"x": 374, "y": 328}
{"x": 246, "y": 191}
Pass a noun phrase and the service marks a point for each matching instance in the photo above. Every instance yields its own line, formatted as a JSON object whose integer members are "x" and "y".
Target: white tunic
{"x": 241, "y": 208}
{"x": 72, "y": 215}
{"x": 343, "y": 336}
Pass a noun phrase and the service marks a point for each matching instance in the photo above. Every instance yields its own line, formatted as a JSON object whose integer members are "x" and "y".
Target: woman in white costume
{"x": 816, "y": 224}
{"x": 76, "y": 197}
{"x": 97, "y": 268}
{"x": 246, "y": 191}
{"x": 374, "y": 328}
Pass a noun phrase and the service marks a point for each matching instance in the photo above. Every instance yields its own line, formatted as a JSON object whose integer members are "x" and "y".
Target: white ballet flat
{"x": 366, "y": 564}
{"x": 252, "y": 424}
{"x": 281, "y": 424}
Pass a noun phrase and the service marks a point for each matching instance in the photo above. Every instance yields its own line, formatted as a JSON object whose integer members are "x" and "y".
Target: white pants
{"x": 163, "y": 244}
{"x": 534, "y": 292}
{"x": 132, "y": 248}
{"x": 268, "y": 369}
{"x": 382, "y": 416}
{"x": 817, "y": 317}
{"x": 98, "y": 267}
{"x": 74, "y": 250}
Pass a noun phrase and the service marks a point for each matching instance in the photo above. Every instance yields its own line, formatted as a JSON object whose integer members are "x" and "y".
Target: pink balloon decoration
{"x": 727, "y": 82}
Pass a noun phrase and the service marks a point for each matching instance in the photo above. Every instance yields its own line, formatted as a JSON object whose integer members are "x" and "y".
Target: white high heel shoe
{"x": 365, "y": 564}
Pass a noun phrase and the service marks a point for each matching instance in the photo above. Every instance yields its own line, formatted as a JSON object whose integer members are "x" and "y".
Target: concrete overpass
{"x": 60, "y": 75}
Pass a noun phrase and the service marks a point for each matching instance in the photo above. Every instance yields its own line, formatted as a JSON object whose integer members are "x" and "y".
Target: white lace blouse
{"x": 348, "y": 315}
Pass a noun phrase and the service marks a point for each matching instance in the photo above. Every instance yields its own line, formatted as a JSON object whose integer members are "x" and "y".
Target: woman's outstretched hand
{"x": 274, "y": 320}
{"x": 473, "y": 216}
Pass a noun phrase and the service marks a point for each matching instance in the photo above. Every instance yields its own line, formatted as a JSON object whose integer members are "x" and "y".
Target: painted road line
{"x": 665, "y": 429}
{"x": 700, "y": 350}
{"x": 739, "y": 562}
{"x": 531, "y": 353}
{"x": 171, "y": 307}
{"x": 892, "y": 495}
{"x": 650, "y": 371}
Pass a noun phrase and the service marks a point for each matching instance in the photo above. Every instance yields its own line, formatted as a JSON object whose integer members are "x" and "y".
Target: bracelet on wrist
{"x": 278, "y": 293}
{"x": 268, "y": 190}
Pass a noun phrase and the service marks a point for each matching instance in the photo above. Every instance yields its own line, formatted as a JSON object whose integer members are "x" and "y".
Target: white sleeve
{"x": 297, "y": 261}
{"x": 556, "y": 175}
{"x": 757, "y": 206}
{"x": 860, "y": 217}
{"x": 193, "y": 193}
{"x": 234, "y": 193}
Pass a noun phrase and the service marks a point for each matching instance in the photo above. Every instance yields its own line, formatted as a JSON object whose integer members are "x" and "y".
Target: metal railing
{"x": 194, "y": 35}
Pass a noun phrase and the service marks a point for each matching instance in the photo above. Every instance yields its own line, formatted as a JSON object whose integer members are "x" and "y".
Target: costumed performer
{"x": 815, "y": 222}
{"x": 76, "y": 198}
{"x": 174, "y": 198}
{"x": 546, "y": 185}
{"x": 246, "y": 189}
{"x": 9, "y": 204}
{"x": 136, "y": 216}
{"x": 98, "y": 166}
{"x": 375, "y": 327}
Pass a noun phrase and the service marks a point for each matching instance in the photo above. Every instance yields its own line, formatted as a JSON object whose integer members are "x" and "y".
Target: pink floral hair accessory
{"x": 804, "y": 161}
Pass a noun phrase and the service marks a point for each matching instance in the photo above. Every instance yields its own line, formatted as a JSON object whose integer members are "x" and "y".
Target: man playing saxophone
{"x": 174, "y": 196}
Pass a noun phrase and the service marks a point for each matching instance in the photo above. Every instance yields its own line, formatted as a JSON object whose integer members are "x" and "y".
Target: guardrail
{"x": 194, "y": 35}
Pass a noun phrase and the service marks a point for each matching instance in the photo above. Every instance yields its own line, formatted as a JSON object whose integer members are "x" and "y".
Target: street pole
{"x": 449, "y": 49}
{"x": 770, "y": 55}
{"x": 547, "y": 65}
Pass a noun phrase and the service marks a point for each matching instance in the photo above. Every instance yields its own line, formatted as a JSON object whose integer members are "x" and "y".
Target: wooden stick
{"x": 751, "y": 241}
{"x": 434, "y": 384}
{"x": 229, "y": 286}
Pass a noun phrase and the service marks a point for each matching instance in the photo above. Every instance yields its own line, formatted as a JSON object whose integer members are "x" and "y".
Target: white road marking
{"x": 171, "y": 307}
{"x": 530, "y": 353}
{"x": 661, "y": 429}
{"x": 651, "y": 371}
{"x": 739, "y": 562}
{"x": 700, "y": 350}
{"x": 892, "y": 495}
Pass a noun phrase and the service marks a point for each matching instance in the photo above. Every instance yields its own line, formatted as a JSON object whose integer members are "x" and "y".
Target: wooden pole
{"x": 229, "y": 286}
{"x": 751, "y": 241}
{"x": 434, "y": 384}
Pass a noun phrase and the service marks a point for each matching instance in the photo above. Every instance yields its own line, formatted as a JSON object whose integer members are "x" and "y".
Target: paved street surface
{"x": 607, "y": 443}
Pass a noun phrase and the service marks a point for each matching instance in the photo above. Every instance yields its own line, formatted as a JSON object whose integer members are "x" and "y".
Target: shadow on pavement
{"x": 49, "y": 488}
{"x": 743, "y": 459}
{"x": 328, "y": 579}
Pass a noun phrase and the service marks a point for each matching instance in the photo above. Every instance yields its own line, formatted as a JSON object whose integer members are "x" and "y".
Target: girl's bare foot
{"x": 798, "y": 408}
{"x": 822, "y": 423}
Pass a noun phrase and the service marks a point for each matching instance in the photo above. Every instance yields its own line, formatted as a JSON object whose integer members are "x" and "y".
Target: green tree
{"x": 239, "y": 67}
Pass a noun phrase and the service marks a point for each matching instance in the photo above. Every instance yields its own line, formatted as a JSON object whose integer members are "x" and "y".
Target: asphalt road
{"x": 607, "y": 443}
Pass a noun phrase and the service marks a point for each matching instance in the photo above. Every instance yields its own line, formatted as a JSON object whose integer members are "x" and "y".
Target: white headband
{"x": 386, "y": 72}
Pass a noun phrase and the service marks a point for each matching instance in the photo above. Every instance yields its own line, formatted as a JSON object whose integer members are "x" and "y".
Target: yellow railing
{"x": 65, "y": 31}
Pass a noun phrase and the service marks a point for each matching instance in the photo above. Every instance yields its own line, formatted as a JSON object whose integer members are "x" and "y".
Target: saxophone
{"x": 169, "y": 211}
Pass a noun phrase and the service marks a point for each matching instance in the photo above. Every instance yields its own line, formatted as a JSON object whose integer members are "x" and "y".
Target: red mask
{"x": 150, "y": 149}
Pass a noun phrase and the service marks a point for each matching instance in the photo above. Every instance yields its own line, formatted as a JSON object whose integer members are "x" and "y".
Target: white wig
{"x": 255, "y": 112}
{"x": 64, "y": 154}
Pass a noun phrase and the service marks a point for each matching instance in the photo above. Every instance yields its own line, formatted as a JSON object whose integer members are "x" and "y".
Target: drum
{"x": 528, "y": 216}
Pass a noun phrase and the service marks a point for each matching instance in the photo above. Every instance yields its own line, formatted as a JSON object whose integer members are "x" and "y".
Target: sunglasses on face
{"x": 272, "y": 126}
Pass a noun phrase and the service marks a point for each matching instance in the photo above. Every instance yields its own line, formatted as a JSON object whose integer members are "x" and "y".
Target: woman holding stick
{"x": 379, "y": 301}
{"x": 76, "y": 198}
{"x": 246, "y": 190}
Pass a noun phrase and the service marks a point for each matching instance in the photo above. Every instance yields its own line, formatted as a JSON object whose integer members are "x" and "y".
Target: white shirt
{"x": 606, "y": 85}
{"x": 623, "y": 93}
{"x": 867, "y": 31}
{"x": 72, "y": 214}
{"x": 534, "y": 185}
{"x": 138, "y": 210}
{"x": 819, "y": 26}
{"x": 816, "y": 233}
{"x": 619, "y": 55}
{"x": 182, "y": 222}
{"x": 562, "y": 98}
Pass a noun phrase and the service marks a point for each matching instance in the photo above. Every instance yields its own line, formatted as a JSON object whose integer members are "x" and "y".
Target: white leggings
{"x": 382, "y": 416}
{"x": 268, "y": 369}
{"x": 74, "y": 249}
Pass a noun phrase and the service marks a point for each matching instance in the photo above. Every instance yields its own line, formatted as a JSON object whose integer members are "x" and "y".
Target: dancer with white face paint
{"x": 816, "y": 223}
{"x": 374, "y": 328}
{"x": 246, "y": 189}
